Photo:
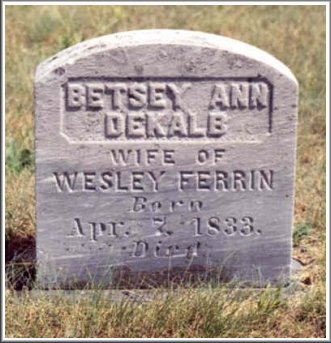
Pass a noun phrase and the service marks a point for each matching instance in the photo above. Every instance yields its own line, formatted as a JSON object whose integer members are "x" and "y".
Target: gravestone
{"x": 164, "y": 156}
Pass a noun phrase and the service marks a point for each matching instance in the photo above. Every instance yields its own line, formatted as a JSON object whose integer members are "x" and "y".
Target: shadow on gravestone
{"x": 164, "y": 157}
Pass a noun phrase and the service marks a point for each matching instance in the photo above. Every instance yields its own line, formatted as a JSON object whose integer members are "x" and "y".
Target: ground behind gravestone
{"x": 296, "y": 36}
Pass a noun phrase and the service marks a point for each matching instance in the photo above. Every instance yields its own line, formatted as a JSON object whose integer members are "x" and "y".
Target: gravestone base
{"x": 196, "y": 276}
{"x": 147, "y": 295}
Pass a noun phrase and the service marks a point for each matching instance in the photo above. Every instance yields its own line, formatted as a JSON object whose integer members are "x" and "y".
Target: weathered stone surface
{"x": 164, "y": 155}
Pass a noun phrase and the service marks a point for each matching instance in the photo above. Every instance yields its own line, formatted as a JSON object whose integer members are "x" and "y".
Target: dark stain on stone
{"x": 59, "y": 71}
{"x": 139, "y": 69}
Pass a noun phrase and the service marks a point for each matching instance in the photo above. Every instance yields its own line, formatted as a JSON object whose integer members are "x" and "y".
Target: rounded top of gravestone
{"x": 158, "y": 37}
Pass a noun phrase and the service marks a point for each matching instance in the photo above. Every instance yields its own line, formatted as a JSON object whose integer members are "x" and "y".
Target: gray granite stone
{"x": 164, "y": 156}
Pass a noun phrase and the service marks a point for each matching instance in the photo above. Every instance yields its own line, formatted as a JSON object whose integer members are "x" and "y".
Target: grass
{"x": 295, "y": 35}
{"x": 204, "y": 312}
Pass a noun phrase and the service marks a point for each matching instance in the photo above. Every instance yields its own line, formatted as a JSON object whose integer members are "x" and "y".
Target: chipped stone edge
{"x": 156, "y": 37}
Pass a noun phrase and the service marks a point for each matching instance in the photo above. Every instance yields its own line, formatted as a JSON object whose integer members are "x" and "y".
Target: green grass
{"x": 301, "y": 231}
{"x": 296, "y": 36}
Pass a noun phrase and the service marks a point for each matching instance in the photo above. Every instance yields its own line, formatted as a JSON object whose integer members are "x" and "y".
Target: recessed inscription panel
{"x": 149, "y": 172}
{"x": 104, "y": 110}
